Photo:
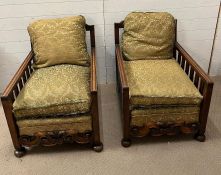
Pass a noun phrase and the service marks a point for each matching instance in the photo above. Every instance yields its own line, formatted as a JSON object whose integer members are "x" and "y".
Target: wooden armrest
{"x": 201, "y": 73}
{"x": 120, "y": 67}
{"x": 8, "y": 93}
{"x": 93, "y": 71}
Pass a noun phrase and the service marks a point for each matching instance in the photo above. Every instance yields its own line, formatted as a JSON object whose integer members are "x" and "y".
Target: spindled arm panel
{"x": 19, "y": 79}
{"x": 192, "y": 69}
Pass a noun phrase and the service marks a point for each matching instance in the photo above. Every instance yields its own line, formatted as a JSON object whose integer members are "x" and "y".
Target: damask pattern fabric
{"x": 159, "y": 82}
{"x": 165, "y": 115}
{"x": 59, "y": 41}
{"x": 148, "y": 36}
{"x": 74, "y": 124}
{"x": 61, "y": 89}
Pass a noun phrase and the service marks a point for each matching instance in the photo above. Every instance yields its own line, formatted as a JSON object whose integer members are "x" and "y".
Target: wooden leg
{"x": 98, "y": 148}
{"x": 125, "y": 142}
{"x": 97, "y": 144}
{"x": 200, "y": 137}
{"x": 7, "y": 106}
{"x": 20, "y": 152}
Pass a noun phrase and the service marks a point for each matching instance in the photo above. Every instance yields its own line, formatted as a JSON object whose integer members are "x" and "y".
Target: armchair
{"x": 61, "y": 123}
{"x": 159, "y": 96}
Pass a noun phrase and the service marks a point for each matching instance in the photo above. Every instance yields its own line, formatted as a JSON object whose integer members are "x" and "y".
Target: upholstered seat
{"x": 160, "y": 92}
{"x": 159, "y": 82}
{"x": 56, "y": 90}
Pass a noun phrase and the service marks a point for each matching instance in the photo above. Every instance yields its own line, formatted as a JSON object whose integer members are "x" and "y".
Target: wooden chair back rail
{"x": 117, "y": 27}
{"x": 92, "y": 34}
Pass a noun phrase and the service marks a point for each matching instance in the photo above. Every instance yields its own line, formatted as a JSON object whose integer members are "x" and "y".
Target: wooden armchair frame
{"x": 196, "y": 74}
{"x": 50, "y": 138}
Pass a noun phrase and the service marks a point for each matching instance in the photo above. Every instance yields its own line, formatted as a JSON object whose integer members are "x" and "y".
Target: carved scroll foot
{"x": 125, "y": 142}
{"x": 98, "y": 148}
{"x": 200, "y": 137}
{"x": 19, "y": 152}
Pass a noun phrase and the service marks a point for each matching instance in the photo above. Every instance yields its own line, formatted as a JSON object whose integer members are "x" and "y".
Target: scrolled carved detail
{"x": 163, "y": 129}
{"x": 55, "y": 138}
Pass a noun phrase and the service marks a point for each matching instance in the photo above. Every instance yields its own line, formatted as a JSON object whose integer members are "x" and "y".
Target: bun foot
{"x": 98, "y": 148}
{"x": 200, "y": 137}
{"x": 19, "y": 152}
{"x": 125, "y": 143}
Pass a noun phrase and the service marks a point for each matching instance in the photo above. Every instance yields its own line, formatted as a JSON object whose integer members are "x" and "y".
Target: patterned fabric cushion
{"x": 165, "y": 115}
{"x": 75, "y": 124}
{"x": 148, "y": 36}
{"x": 61, "y": 89}
{"x": 159, "y": 82}
{"x": 59, "y": 41}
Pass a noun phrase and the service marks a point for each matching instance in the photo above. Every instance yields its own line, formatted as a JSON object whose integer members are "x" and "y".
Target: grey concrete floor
{"x": 164, "y": 155}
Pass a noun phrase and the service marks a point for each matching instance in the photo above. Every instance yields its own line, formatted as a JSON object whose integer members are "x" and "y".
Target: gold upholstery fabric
{"x": 159, "y": 82}
{"x": 75, "y": 124}
{"x": 148, "y": 36}
{"x": 59, "y": 41}
{"x": 165, "y": 115}
{"x": 61, "y": 89}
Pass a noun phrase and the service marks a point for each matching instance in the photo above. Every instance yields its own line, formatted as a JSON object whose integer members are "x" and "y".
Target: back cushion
{"x": 148, "y": 36}
{"x": 59, "y": 41}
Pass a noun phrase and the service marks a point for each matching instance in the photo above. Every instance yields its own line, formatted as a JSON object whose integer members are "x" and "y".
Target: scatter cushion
{"x": 59, "y": 41}
{"x": 165, "y": 115}
{"x": 148, "y": 36}
{"x": 61, "y": 89}
{"x": 159, "y": 82}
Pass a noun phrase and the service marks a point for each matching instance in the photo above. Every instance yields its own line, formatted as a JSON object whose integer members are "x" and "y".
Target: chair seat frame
{"x": 195, "y": 73}
{"x": 13, "y": 89}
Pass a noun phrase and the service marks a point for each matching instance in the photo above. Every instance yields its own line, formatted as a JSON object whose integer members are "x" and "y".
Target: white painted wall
{"x": 196, "y": 25}
{"x": 216, "y": 59}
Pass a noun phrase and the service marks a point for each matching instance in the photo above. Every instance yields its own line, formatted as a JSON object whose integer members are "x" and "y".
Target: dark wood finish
{"x": 159, "y": 130}
{"x": 55, "y": 138}
{"x": 196, "y": 74}
{"x": 49, "y": 139}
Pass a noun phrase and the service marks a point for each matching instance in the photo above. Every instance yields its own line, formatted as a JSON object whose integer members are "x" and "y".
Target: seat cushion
{"x": 74, "y": 124}
{"x": 148, "y": 36}
{"x": 159, "y": 82}
{"x": 165, "y": 115}
{"x": 61, "y": 89}
{"x": 59, "y": 41}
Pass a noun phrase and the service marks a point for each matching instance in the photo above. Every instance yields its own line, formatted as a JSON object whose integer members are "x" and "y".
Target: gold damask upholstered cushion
{"x": 165, "y": 115}
{"x": 159, "y": 82}
{"x": 59, "y": 41}
{"x": 75, "y": 124}
{"x": 61, "y": 89}
{"x": 148, "y": 36}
